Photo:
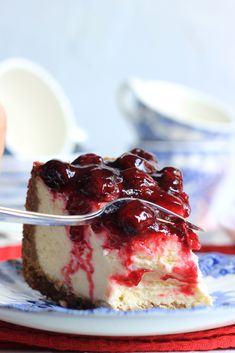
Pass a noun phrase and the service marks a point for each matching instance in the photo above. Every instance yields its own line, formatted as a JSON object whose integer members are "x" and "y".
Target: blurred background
{"x": 90, "y": 47}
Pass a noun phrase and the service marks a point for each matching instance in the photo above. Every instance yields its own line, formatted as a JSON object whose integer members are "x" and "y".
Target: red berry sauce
{"x": 89, "y": 182}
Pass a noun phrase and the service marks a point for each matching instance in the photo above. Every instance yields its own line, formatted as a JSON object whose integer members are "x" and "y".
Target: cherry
{"x": 170, "y": 202}
{"x": 144, "y": 154}
{"x": 87, "y": 159}
{"x": 193, "y": 241}
{"x": 56, "y": 174}
{"x": 169, "y": 178}
{"x": 103, "y": 184}
{"x": 135, "y": 217}
{"x": 137, "y": 182}
{"x": 184, "y": 197}
{"x": 129, "y": 160}
{"x": 187, "y": 235}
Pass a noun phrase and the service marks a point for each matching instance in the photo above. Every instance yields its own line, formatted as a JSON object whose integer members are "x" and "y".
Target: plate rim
{"x": 36, "y": 321}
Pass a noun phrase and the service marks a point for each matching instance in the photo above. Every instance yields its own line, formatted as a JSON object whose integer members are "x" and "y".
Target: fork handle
{"x": 35, "y": 218}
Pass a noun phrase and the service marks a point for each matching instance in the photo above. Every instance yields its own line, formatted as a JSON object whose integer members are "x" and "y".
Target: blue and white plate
{"x": 20, "y": 304}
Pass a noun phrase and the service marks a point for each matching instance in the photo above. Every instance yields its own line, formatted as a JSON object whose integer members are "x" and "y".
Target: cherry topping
{"x": 144, "y": 154}
{"x": 103, "y": 184}
{"x": 169, "y": 178}
{"x": 135, "y": 217}
{"x": 192, "y": 240}
{"x": 187, "y": 235}
{"x": 129, "y": 160}
{"x": 90, "y": 180}
{"x": 137, "y": 183}
{"x": 87, "y": 159}
{"x": 57, "y": 174}
{"x": 170, "y": 202}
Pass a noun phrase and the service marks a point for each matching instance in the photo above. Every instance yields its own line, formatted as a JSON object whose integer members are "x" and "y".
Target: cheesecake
{"x": 132, "y": 257}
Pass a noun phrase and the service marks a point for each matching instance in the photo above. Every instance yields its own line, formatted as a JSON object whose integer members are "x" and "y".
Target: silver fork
{"x": 36, "y": 218}
{"x": 28, "y": 217}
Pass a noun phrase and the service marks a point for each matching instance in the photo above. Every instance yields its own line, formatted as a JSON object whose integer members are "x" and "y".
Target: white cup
{"x": 165, "y": 111}
{"x": 40, "y": 119}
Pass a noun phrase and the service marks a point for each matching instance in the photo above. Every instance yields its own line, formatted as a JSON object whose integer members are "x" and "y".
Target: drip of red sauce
{"x": 187, "y": 275}
{"x": 80, "y": 258}
{"x": 130, "y": 280}
{"x": 90, "y": 181}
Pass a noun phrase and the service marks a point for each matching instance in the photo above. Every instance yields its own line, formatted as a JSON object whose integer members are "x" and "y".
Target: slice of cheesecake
{"x": 134, "y": 257}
